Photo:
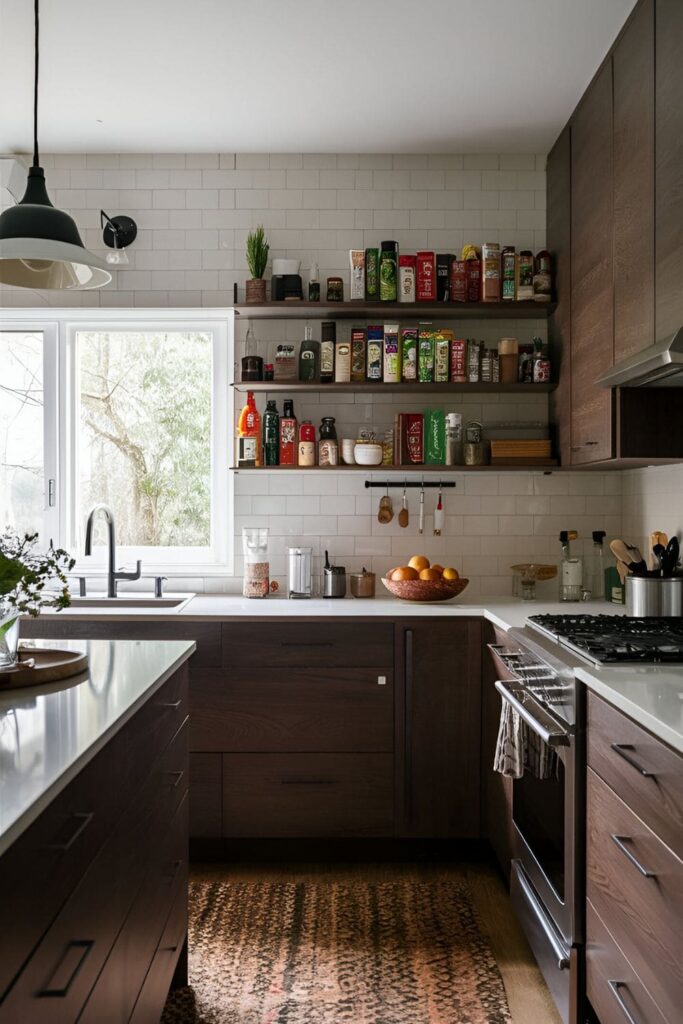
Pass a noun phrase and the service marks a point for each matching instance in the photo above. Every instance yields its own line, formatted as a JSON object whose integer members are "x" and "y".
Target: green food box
{"x": 425, "y": 356}
{"x": 372, "y": 273}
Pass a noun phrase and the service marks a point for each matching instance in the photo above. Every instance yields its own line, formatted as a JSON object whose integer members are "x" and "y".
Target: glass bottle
{"x": 328, "y": 446}
{"x": 328, "y": 333}
{"x": 271, "y": 434}
{"x": 249, "y": 435}
{"x": 306, "y": 456}
{"x": 571, "y": 569}
{"x": 314, "y": 284}
{"x": 309, "y": 357}
{"x": 598, "y": 566}
{"x": 288, "y": 435}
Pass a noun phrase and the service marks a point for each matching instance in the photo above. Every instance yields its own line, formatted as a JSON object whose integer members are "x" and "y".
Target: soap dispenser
{"x": 571, "y": 569}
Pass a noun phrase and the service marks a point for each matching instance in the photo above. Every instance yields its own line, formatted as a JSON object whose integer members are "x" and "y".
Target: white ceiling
{"x": 300, "y": 76}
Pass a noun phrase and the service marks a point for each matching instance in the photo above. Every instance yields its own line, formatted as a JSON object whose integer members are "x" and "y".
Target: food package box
{"x": 426, "y": 277}
{"x": 458, "y": 280}
{"x": 414, "y": 438}
{"x": 357, "y": 262}
{"x": 443, "y": 265}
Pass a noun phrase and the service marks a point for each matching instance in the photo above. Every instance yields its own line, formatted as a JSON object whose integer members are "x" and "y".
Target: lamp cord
{"x": 36, "y": 155}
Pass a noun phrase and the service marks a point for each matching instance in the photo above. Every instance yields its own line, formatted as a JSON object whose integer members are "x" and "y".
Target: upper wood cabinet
{"x": 591, "y": 273}
{"x": 668, "y": 167}
{"x": 558, "y": 240}
{"x": 634, "y": 194}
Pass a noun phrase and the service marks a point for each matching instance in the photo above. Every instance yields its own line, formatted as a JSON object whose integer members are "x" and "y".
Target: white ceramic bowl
{"x": 368, "y": 454}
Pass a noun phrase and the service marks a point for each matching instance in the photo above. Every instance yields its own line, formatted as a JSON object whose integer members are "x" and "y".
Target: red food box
{"x": 458, "y": 360}
{"x": 473, "y": 280}
{"x": 426, "y": 277}
{"x": 414, "y": 434}
{"x": 458, "y": 281}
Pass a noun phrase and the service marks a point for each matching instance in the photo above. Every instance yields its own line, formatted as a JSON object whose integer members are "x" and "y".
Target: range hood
{"x": 659, "y": 365}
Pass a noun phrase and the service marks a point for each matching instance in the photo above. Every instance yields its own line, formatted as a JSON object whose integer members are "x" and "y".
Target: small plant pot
{"x": 256, "y": 290}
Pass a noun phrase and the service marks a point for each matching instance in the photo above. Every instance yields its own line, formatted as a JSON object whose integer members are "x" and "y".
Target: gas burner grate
{"x": 617, "y": 638}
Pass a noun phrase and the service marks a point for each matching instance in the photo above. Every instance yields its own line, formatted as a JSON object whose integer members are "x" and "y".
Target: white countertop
{"x": 651, "y": 695}
{"x": 49, "y": 732}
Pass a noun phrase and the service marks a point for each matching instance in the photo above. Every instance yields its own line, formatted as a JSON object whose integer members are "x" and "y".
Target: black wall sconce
{"x": 118, "y": 233}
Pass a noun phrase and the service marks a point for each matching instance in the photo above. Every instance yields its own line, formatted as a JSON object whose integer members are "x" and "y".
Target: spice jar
{"x": 306, "y": 444}
{"x": 362, "y": 583}
{"x": 256, "y": 581}
{"x": 507, "y": 359}
{"x": 335, "y": 289}
{"x": 388, "y": 272}
{"x": 328, "y": 448}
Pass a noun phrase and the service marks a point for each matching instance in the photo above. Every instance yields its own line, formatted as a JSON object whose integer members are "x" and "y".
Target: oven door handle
{"x": 563, "y": 962}
{"x": 539, "y": 721}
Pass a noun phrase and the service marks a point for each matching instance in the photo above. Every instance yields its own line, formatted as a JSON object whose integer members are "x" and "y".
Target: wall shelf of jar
{"x": 383, "y": 311}
{"x": 445, "y": 387}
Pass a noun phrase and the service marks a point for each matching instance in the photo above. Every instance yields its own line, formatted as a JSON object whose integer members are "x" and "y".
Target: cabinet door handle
{"x": 67, "y": 969}
{"x": 408, "y": 758}
{"x": 177, "y": 776}
{"x": 621, "y": 841}
{"x": 621, "y": 749}
{"x": 614, "y": 989}
{"x": 585, "y": 444}
{"x": 172, "y": 704}
{"x": 307, "y": 782}
{"x": 175, "y": 868}
{"x": 82, "y": 819}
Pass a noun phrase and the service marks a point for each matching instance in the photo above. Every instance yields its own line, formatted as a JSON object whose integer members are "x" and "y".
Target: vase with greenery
{"x": 24, "y": 576}
{"x": 257, "y": 258}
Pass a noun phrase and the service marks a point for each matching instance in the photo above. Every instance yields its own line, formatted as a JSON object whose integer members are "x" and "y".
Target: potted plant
{"x": 24, "y": 575}
{"x": 257, "y": 258}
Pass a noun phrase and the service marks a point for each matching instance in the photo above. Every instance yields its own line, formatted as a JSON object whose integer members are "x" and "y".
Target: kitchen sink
{"x": 146, "y": 602}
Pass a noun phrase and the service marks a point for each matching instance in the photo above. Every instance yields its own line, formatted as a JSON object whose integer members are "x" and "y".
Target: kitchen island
{"x": 93, "y": 834}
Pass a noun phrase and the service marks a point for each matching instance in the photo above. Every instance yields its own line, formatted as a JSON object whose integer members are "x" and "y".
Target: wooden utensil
{"x": 630, "y": 556}
{"x": 421, "y": 522}
{"x": 404, "y": 515}
{"x": 386, "y": 509}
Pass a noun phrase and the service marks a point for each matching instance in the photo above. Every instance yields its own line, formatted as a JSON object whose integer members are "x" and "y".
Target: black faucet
{"x": 113, "y": 577}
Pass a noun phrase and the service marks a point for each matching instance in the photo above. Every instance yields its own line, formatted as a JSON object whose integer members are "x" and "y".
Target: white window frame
{"x": 61, "y": 424}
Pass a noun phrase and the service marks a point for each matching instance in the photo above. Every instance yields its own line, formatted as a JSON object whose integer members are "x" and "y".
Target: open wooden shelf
{"x": 507, "y": 464}
{"x": 445, "y": 387}
{"x": 389, "y": 311}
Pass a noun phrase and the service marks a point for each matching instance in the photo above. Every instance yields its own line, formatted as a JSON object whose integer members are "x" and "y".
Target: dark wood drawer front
{"x": 122, "y": 977}
{"x": 58, "y": 979}
{"x": 206, "y": 795}
{"x": 56, "y": 850}
{"x": 313, "y": 795}
{"x": 206, "y": 635}
{"x": 312, "y": 709}
{"x": 645, "y": 773}
{"x": 635, "y": 883}
{"x": 317, "y": 644}
{"x": 153, "y": 993}
{"x": 613, "y": 987}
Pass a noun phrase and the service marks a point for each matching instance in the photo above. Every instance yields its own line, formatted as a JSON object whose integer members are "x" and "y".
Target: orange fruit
{"x": 430, "y": 574}
{"x": 405, "y": 572}
{"x": 451, "y": 574}
{"x": 419, "y": 562}
{"x": 390, "y": 574}
{"x": 437, "y": 568}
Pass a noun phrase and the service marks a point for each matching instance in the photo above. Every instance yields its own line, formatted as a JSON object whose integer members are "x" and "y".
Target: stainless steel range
{"x": 548, "y": 812}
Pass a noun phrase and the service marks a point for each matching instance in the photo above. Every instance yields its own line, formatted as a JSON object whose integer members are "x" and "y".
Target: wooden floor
{"x": 527, "y": 995}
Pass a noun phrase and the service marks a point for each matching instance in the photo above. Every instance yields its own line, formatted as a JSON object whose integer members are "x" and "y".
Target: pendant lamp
{"x": 40, "y": 246}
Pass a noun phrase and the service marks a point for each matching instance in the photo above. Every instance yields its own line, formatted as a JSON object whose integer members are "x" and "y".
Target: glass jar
{"x": 328, "y": 446}
{"x": 9, "y": 636}
{"x": 256, "y": 582}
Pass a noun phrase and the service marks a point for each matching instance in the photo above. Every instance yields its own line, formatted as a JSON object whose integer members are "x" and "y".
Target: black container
{"x": 252, "y": 368}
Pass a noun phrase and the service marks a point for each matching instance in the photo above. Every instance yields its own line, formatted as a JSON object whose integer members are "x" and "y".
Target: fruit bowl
{"x": 425, "y": 590}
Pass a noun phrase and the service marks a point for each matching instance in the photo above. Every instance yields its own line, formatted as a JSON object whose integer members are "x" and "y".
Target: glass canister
{"x": 256, "y": 581}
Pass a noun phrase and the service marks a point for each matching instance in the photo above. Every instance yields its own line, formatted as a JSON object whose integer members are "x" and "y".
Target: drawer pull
{"x": 621, "y": 749}
{"x": 307, "y": 782}
{"x": 82, "y": 819}
{"x": 621, "y": 841}
{"x": 79, "y": 948}
{"x": 177, "y": 776}
{"x": 172, "y": 704}
{"x": 614, "y": 989}
{"x": 307, "y": 643}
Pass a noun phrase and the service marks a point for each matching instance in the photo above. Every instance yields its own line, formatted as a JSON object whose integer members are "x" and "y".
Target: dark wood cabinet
{"x": 440, "y": 662}
{"x": 496, "y": 789}
{"x": 592, "y": 320}
{"x": 558, "y": 241}
{"x": 668, "y": 167}
{"x": 634, "y": 193}
{"x": 89, "y": 887}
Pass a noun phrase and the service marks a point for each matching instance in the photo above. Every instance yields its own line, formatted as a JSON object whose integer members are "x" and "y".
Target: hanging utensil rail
{"x": 399, "y": 484}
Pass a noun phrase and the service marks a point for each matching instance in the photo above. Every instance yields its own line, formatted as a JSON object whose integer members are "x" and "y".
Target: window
{"x": 144, "y": 427}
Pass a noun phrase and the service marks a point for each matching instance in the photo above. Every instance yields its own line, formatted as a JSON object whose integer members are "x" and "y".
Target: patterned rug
{"x": 403, "y": 952}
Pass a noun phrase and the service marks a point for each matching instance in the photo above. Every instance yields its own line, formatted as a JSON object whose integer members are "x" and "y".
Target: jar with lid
{"x": 454, "y": 447}
{"x": 541, "y": 371}
{"x": 388, "y": 272}
{"x": 328, "y": 447}
{"x": 256, "y": 581}
{"x": 508, "y": 352}
{"x": 306, "y": 444}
